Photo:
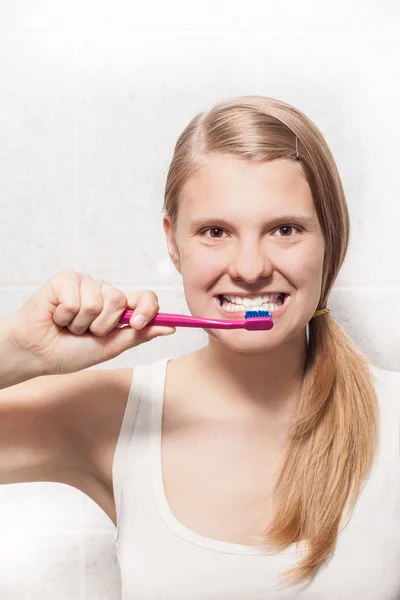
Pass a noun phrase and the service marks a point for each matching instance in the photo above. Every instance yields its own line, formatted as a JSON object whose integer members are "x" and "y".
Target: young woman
{"x": 264, "y": 465}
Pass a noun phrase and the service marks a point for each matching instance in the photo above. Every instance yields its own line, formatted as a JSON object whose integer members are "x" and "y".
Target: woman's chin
{"x": 241, "y": 340}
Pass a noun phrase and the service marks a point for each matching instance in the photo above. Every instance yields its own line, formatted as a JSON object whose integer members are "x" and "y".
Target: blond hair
{"x": 333, "y": 437}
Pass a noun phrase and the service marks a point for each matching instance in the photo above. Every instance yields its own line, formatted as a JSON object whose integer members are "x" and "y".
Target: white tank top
{"x": 161, "y": 559}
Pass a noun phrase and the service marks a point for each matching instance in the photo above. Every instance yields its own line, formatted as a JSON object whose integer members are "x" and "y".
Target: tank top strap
{"x": 145, "y": 395}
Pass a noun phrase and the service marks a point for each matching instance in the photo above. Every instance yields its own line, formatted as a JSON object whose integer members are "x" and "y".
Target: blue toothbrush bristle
{"x": 257, "y": 313}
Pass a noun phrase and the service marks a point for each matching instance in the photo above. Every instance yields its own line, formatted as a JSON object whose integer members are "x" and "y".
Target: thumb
{"x": 121, "y": 339}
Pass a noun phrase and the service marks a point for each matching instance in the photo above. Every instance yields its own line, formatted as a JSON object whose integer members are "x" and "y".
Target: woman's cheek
{"x": 204, "y": 260}
{"x": 311, "y": 267}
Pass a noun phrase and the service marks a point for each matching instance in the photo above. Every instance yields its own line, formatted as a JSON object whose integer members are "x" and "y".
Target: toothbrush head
{"x": 255, "y": 323}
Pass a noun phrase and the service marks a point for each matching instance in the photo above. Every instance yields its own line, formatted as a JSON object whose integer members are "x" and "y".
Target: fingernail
{"x": 138, "y": 321}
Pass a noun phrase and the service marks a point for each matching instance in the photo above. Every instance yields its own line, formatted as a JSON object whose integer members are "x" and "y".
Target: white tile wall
{"x": 93, "y": 97}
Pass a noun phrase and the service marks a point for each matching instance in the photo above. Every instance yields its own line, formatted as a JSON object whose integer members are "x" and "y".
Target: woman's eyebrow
{"x": 195, "y": 224}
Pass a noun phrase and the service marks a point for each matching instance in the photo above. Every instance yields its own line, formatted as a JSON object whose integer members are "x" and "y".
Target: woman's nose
{"x": 250, "y": 264}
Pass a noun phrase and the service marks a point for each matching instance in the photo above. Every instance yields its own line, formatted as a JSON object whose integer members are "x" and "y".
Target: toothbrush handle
{"x": 174, "y": 320}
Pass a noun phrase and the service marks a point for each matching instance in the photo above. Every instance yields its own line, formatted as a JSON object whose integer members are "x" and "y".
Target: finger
{"x": 114, "y": 304}
{"x": 65, "y": 296}
{"x": 91, "y": 305}
{"x": 151, "y": 331}
{"x": 120, "y": 340}
{"x": 145, "y": 305}
{"x": 103, "y": 282}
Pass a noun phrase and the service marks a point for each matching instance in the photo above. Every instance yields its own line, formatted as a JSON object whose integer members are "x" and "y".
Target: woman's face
{"x": 245, "y": 229}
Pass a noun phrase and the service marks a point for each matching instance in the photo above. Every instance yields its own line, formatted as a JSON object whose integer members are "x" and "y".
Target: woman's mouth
{"x": 233, "y": 308}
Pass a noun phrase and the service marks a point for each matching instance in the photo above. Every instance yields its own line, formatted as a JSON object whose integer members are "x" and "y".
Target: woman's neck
{"x": 256, "y": 384}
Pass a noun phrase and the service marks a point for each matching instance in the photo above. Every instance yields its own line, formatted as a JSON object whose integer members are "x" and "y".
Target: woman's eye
{"x": 287, "y": 227}
{"x": 213, "y": 230}
{"x": 216, "y": 231}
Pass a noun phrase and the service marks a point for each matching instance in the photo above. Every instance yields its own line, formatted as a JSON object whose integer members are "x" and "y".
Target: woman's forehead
{"x": 226, "y": 182}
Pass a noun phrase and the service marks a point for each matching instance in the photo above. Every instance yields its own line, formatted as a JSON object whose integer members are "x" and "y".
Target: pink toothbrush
{"x": 254, "y": 320}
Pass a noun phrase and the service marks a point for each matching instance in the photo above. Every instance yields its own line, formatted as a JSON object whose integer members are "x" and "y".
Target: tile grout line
{"x": 32, "y": 286}
{"x": 15, "y": 287}
{"x": 77, "y": 187}
{"x": 58, "y": 531}
{"x": 77, "y": 233}
{"x": 205, "y": 30}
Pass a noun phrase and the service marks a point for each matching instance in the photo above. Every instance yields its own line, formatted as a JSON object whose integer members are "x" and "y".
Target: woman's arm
{"x": 16, "y": 365}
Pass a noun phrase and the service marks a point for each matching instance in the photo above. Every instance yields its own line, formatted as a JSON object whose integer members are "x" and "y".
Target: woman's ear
{"x": 171, "y": 243}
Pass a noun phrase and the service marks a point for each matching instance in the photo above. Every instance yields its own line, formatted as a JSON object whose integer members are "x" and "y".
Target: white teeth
{"x": 256, "y": 301}
{"x": 271, "y": 307}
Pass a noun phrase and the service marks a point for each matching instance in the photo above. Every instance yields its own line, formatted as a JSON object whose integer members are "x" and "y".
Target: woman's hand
{"x": 70, "y": 322}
